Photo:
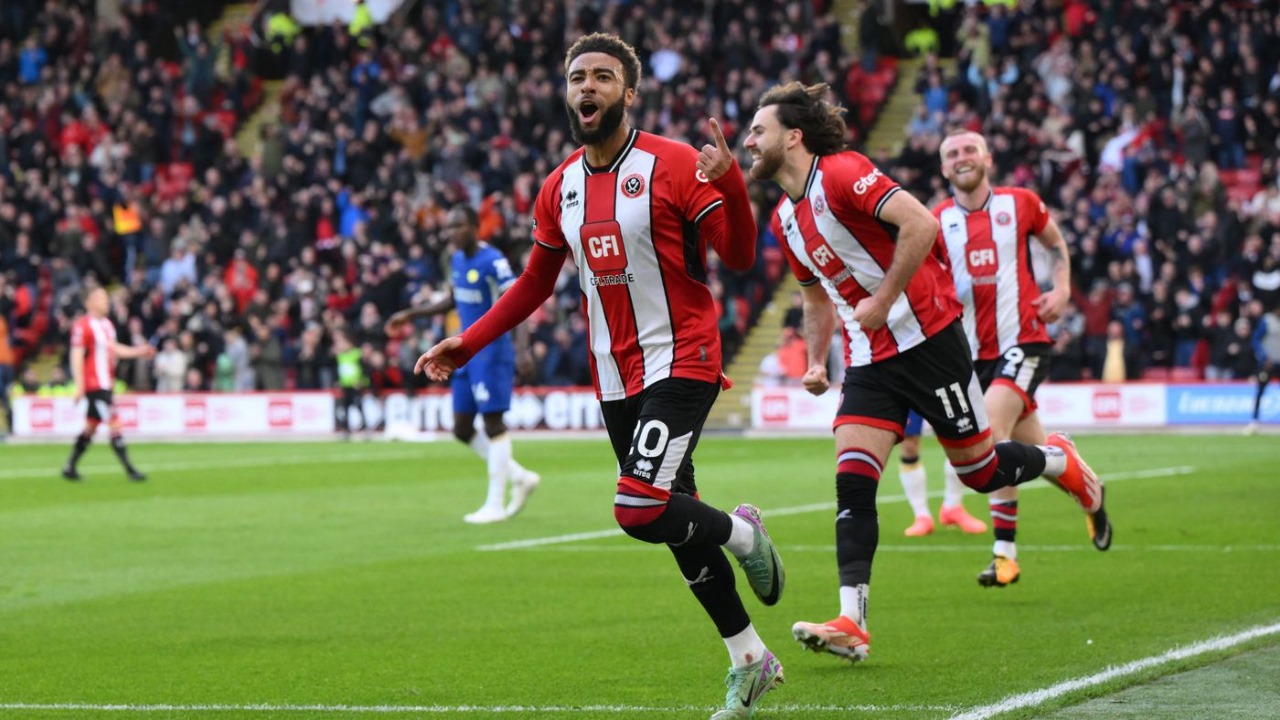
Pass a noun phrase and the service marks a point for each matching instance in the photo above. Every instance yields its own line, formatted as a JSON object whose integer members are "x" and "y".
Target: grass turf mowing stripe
{"x": 816, "y": 507}
{"x": 452, "y": 709}
{"x": 1039, "y": 697}
{"x": 219, "y": 463}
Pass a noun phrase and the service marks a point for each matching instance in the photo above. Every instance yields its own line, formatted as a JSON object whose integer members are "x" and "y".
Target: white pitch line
{"x": 218, "y": 463}
{"x": 815, "y": 507}
{"x": 455, "y": 709}
{"x": 926, "y": 548}
{"x": 1039, "y": 697}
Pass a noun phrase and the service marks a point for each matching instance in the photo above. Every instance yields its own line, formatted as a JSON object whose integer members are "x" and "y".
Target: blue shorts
{"x": 483, "y": 388}
{"x": 915, "y": 424}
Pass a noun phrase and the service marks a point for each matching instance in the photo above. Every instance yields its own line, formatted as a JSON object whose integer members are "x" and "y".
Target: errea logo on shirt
{"x": 867, "y": 181}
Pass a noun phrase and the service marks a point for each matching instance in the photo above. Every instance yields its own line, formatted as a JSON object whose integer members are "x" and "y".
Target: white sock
{"x": 480, "y": 445}
{"x": 1055, "y": 460}
{"x": 914, "y": 486}
{"x": 953, "y": 489}
{"x": 499, "y": 467}
{"x": 853, "y": 603}
{"x": 1005, "y": 548}
{"x": 742, "y": 537}
{"x": 515, "y": 469}
{"x": 745, "y": 648}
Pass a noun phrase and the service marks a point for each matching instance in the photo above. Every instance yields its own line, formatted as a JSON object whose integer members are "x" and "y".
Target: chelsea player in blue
{"x": 479, "y": 274}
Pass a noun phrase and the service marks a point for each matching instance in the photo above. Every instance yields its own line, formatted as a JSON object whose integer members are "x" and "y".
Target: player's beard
{"x": 768, "y": 164}
{"x": 970, "y": 182}
{"x": 611, "y": 118}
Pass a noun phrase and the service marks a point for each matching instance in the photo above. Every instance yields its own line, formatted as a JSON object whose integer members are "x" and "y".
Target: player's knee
{"x": 857, "y": 479}
{"x": 464, "y": 432}
{"x": 637, "y": 508}
{"x": 494, "y": 426}
{"x": 976, "y": 473}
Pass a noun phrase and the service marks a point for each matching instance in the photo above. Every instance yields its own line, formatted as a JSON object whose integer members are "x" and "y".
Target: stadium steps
{"x": 249, "y": 134}
{"x": 732, "y": 410}
{"x": 847, "y": 11}
{"x": 249, "y": 137}
{"x": 890, "y": 128}
{"x": 233, "y": 15}
{"x": 889, "y": 132}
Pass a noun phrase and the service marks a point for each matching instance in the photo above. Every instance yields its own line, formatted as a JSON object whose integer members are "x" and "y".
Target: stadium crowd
{"x": 122, "y": 170}
{"x": 1151, "y": 130}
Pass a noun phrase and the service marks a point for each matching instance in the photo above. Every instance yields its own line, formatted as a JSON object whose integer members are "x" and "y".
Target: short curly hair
{"x": 803, "y": 107}
{"x": 613, "y": 46}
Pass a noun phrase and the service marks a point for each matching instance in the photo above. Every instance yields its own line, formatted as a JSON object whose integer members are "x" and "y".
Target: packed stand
{"x": 241, "y": 271}
{"x": 94, "y": 113}
{"x": 1151, "y": 130}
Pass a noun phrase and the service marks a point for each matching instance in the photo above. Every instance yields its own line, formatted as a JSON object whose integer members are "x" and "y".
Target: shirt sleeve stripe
{"x": 715, "y": 204}
{"x": 810, "y": 281}
{"x": 562, "y": 248}
{"x": 880, "y": 205}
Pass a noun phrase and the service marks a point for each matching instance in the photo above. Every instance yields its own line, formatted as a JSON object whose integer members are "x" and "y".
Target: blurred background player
{"x": 1266, "y": 344}
{"x": 855, "y": 241}
{"x": 915, "y": 486}
{"x": 987, "y": 235}
{"x": 479, "y": 276}
{"x": 94, "y": 351}
{"x": 637, "y": 211}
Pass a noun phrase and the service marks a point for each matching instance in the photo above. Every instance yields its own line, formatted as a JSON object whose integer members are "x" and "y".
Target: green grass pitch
{"x": 338, "y": 580}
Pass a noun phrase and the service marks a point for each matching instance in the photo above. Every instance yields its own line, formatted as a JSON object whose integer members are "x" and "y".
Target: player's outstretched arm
{"x": 395, "y": 324}
{"x": 127, "y": 352}
{"x": 534, "y": 285}
{"x": 731, "y": 231}
{"x": 436, "y": 362}
{"x": 917, "y": 232}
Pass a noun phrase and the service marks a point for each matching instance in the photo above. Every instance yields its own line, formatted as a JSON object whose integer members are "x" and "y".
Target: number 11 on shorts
{"x": 946, "y": 401}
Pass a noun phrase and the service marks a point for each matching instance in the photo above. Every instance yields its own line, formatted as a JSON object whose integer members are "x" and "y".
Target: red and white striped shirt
{"x": 834, "y": 233}
{"x": 632, "y": 228}
{"x": 989, "y": 250}
{"x": 97, "y": 336}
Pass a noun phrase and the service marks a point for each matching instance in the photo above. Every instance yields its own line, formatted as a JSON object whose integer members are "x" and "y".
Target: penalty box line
{"x": 815, "y": 507}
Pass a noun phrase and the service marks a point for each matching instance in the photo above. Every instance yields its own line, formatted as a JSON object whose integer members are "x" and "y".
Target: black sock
{"x": 82, "y": 444}
{"x": 710, "y": 578}
{"x": 857, "y": 527}
{"x": 1263, "y": 378}
{"x": 117, "y": 444}
{"x": 1017, "y": 463}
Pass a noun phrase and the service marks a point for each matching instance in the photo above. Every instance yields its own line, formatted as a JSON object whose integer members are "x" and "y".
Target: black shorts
{"x": 99, "y": 407}
{"x": 654, "y": 432}
{"x": 1021, "y": 367}
{"x": 935, "y": 378}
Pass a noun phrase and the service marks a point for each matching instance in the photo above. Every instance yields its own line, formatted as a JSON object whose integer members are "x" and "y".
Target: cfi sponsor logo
{"x": 866, "y": 182}
{"x": 633, "y": 185}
